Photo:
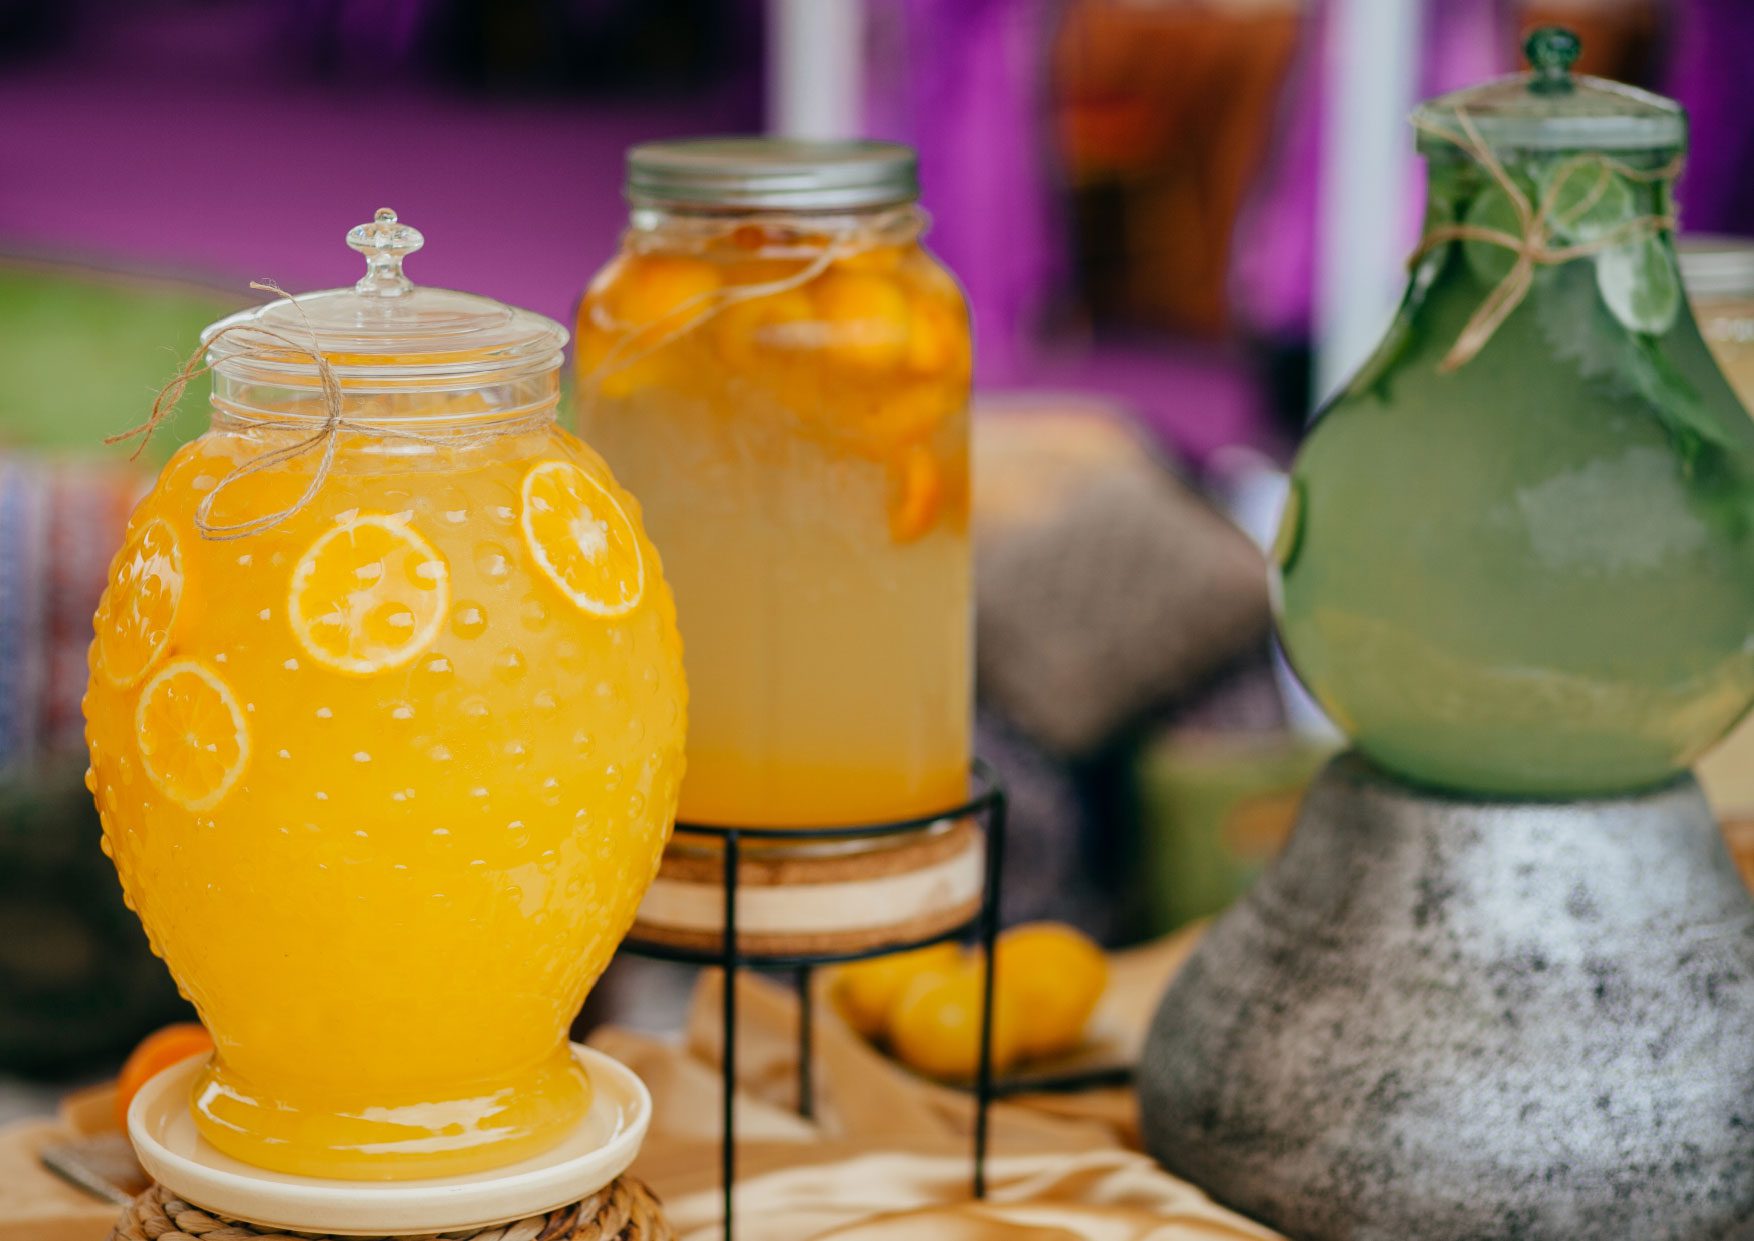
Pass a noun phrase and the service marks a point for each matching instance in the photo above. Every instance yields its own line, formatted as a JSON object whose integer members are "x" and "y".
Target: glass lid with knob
{"x": 1517, "y": 557}
{"x": 385, "y": 721}
{"x": 387, "y": 333}
{"x": 1549, "y": 108}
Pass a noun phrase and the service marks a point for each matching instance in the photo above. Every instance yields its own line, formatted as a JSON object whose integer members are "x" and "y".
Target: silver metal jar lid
{"x": 785, "y": 174}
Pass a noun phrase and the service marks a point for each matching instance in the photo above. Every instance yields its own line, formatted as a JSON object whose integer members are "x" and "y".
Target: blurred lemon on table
{"x": 157, "y": 1052}
{"x": 866, "y": 991}
{"x": 926, "y": 1004}
{"x": 936, "y": 1024}
{"x": 1058, "y": 975}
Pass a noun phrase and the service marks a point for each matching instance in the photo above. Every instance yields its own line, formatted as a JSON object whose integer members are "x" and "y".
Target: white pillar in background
{"x": 1371, "y": 78}
{"x": 815, "y": 68}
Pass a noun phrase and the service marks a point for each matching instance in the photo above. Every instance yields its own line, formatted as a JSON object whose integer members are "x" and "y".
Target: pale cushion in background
{"x": 1105, "y": 587}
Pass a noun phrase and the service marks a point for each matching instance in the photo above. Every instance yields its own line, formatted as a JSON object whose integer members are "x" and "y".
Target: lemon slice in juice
{"x": 370, "y": 595}
{"x": 193, "y": 740}
{"x": 146, "y": 585}
{"x": 581, "y": 538}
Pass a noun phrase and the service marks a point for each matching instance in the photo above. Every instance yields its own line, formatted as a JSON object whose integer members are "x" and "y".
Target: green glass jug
{"x": 1518, "y": 554}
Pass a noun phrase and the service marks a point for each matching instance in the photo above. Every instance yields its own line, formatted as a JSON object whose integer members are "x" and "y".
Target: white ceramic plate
{"x": 593, "y": 1154}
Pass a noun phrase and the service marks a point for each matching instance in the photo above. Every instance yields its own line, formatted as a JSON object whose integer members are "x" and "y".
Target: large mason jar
{"x": 1518, "y": 556}
{"x": 780, "y": 371}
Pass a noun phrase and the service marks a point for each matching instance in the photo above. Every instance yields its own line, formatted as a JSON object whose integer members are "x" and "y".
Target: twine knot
{"x": 1538, "y": 223}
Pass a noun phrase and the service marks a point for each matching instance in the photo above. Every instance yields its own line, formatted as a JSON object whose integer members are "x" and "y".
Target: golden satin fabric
{"x": 888, "y": 1159}
{"x": 889, "y": 1156}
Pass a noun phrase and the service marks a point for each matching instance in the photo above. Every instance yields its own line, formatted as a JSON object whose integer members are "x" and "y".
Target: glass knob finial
{"x": 385, "y": 242}
{"x": 1552, "y": 50}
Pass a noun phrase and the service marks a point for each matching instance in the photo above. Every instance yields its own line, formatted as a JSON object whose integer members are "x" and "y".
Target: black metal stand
{"x": 986, "y": 806}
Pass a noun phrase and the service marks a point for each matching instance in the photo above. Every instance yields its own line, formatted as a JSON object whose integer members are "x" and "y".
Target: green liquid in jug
{"x": 1534, "y": 575}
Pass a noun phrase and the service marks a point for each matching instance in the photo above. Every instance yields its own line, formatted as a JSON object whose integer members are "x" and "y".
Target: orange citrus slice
{"x": 134, "y": 621}
{"x": 582, "y": 539}
{"x": 193, "y": 741}
{"x": 370, "y": 595}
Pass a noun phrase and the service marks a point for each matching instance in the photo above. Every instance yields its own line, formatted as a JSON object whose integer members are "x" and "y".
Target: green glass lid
{"x": 1549, "y": 108}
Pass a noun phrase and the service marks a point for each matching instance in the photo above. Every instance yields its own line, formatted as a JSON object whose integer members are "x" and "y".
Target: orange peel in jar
{"x": 938, "y": 340}
{"x": 747, "y": 332}
{"x": 656, "y": 287}
{"x": 878, "y": 259}
{"x": 369, "y": 595}
{"x": 865, "y": 318}
{"x": 194, "y": 743}
{"x": 916, "y": 491}
{"x": 146, "y": 588}
{"x": 581, "y": 539}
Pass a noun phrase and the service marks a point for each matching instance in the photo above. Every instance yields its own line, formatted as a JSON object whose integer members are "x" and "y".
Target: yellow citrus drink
{"x": 788, "y": 396}
{"x": 406, "y": 725}
{"x": 386, "y": 777}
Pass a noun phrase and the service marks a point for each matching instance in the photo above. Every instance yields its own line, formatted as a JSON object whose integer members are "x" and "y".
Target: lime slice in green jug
{"x": 1640, "y": 285}
{"x": 1493, "y": 209}
{"x": 1590, "y": 202}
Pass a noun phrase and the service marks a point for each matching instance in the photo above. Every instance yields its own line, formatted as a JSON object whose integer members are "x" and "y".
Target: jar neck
{"x": 1632, "y": 181}
{"x": 295, "y": 403}
{"x": 766, "y": 229}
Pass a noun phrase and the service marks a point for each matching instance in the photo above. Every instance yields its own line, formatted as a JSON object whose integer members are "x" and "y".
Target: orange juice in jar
{"x": 385, "y": 719}
{"x": 780, "y": 371}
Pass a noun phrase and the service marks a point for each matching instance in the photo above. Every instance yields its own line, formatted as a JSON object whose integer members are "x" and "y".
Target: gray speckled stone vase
{"x": 1437, "y": 1018}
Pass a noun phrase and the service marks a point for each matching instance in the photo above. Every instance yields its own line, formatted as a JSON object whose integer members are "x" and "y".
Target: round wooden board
{"x": 793, "y": 902}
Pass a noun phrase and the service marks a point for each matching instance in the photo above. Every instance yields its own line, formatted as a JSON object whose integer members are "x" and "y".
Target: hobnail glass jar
{"x": 385, "y": 719}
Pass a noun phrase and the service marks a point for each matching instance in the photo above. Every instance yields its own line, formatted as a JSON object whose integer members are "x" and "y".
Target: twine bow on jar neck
{"x": 1533, "y": 244}
{"x": 323, "y": 435}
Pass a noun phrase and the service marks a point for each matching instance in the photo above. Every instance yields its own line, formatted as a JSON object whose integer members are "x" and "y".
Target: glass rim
{"x": 508, "y": 346}
{"x": 1512, "y": 113}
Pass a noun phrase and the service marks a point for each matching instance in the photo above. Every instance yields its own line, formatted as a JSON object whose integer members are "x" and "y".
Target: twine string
{"x": 1532, "y": 243}
{"x": 624, "y": 1210}
{"x": 264, "y": 343}
{"x": 701, "y": 308}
